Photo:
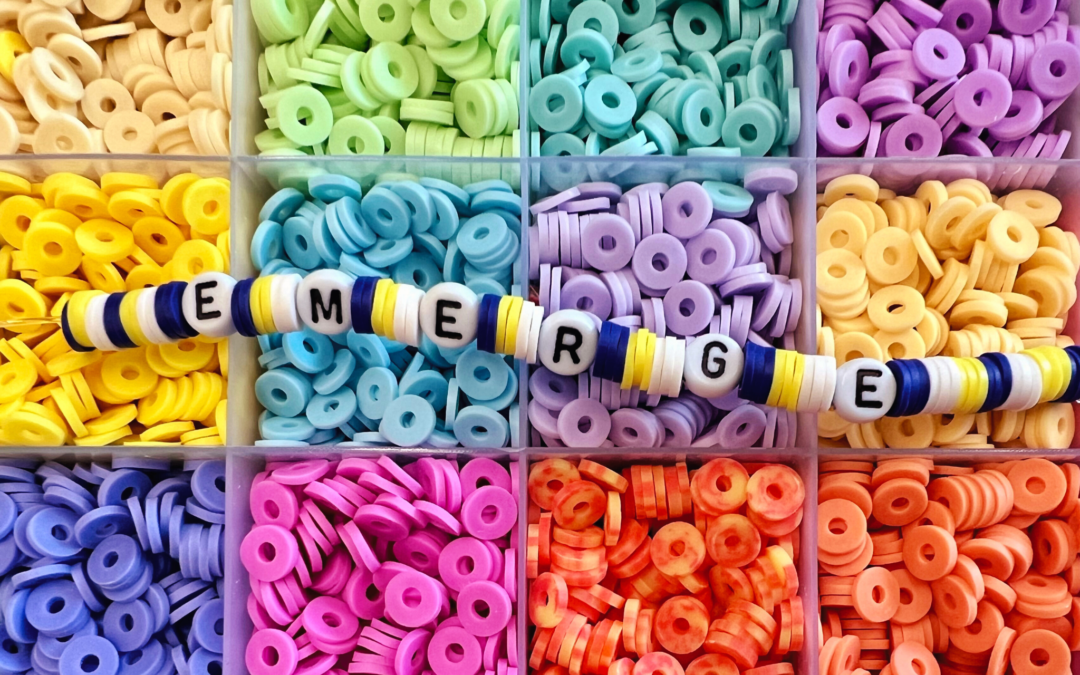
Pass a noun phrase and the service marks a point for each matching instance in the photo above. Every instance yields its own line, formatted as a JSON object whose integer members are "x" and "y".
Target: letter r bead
{"x": 568, "y": 341}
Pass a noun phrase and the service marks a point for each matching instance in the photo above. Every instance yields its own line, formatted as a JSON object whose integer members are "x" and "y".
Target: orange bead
{"x": 677, "y": 549}
{"x": 681, "y": 625}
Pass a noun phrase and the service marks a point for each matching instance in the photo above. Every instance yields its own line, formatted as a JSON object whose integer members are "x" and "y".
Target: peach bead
{"x": 547, "y": 600}
{"x": 899, "y": 501}
{"x": 954, "y": 601}
{"x": 1040, "y": 652}
{"x": 732, "y": 540}
{"x": 578, "y": 504}
{"x": 914, "y": 595}
{"x": 876, "y": 594}
{"x": 547, "y": 478}
{"x": 720, "y": 486}
{"x": 681, "y": 624}
{"x": 910, "y": 658}
{"x": 929, "y": 552}
{"x": 841, "y": 526}
{"x": 1039, "y": 485}
{"x": 678, "y": 549}
{"x": 981, "y": 634}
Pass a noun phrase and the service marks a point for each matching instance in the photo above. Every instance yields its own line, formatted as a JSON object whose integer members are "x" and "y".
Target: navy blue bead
{"x": 616, "y": 366}
{"x": 241, "y": 308}
{"x": 114, "y": 327}
{"x": 1004, "y": 371}
{"x": 363, "y": 294}
{"x": 759, "y": 366}
{"x": 69, "y": 337}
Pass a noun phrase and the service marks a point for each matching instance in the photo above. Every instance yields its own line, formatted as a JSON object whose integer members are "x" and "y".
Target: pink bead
{"x": 301, "y": 473}
{"x": 480, "y": 472}
{"x": 330, "y": 620}
{"x": 269, "y": 552}
{"x": 272, "y": 503}
{"x": 489, "y": 513}
{"x": 453, "y": 651}
{"x": 484, "y": 608}
{"x": 411, "y": 656}
{"x": 270, "y": 652}
{"x": 413, "y": 599}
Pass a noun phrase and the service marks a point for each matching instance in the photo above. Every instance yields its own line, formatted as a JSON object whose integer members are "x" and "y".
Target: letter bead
{"x": 713, "y": 366}
{"x": 449, "y": 315}
{"x": 865, "y": 390}
{"x": 208, "y": 304}
{"x": 568, "y": 342}
{"x": 323, "y": 301}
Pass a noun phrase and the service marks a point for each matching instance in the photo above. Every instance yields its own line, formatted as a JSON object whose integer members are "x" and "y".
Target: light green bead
{"x": 425, "y": 30}
{"x": 280, "y": 20}
{"x": 459, "y": 19}
{"x": 481, "y": 66}
{"x": 386, "y": 20}
{"x": 504, "y": 13}
{"x": 389, "y": 71}
{"x": 307, "y": 103}
{"x": 507, "y": 53}
{"x": 455, "y": 55}
{"x": 355, "y": 135}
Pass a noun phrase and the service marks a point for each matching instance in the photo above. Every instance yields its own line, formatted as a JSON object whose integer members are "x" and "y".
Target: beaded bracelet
{"x": 569, "y": 342}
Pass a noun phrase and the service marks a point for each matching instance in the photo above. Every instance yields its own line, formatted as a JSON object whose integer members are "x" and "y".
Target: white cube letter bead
{"x": 568, "y": 342}
{"x": 449, "y": 314}
{"x": 208, "y": 304}
{"x": 865, "y": 390}
{"x": 714, "y": 365}
{"x": 323, "y": 300}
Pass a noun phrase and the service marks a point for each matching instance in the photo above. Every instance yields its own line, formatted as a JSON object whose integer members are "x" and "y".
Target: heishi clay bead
{"x": 904, "y": 78}
{"x": 118, "y": 77}
{"x": 662, "y": 78}
{"x": 960, "y": 292}
{"x": 374, "y": 77}
{"x": 113, "y": 566}
{"x": 656, "y": 568}
{"x": 131, "y": 243}
{"x": 677, "y": 278}
{"x": 396, "y": 384}
{"x": 367, "y": 565}
{"x": 947, "y": 568}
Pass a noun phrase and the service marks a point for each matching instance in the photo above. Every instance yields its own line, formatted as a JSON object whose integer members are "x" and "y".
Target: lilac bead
{"x": 584, "y": 424}
{"x": 659, "y": 261}
{"x": 968, "y": 20}
{"x": 1054, "y": 71}
{"x": 842, "y": 125}
{"x": 688, "y": 306}
{"x": 710, "y": 256}
{"x": 588, "y": 293}
{"x": 687, "y": 209}
{"x": 1024, "y": 17}
{"x": 849, "y": 68}
{"x": 914, "y": 136}
{"x": 741, "y": 428}
{"x": 635, "y": 428}
{"x": 607, "y": 242}
{"x": 938, "y": 54}
{"x": 982, "y": 98}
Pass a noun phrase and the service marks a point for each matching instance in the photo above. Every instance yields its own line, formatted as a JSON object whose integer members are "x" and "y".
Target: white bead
{"x": 823, "y": 397}
{"x": 207, "y": 304}
{"x": 144, "y": 307}
{"x": 568, "y": 341}
{"x": 714, "y": 365}
{"x": 323, "y": 300}
{"x": 671, "y": 375}
{"x": 521, "y": 349}
{"x": 1026, "y": 383}
{"x": 865, "y": 390}
{"x": 656, "y": 376}
{"x": 283, "y": 301}
{"x": 407, "y": 315}
{"x": 449, "y": 315}
{"x": 95, "y": 324}
{"x": 949, "y": 389}
{"x": 534, "y": 335}
{"x": 809, "y": 381}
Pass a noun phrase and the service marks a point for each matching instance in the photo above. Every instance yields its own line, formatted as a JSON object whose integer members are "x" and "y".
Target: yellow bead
{"x": 77, "y": 315}
{"x": 195, "y": 257}
{"x": 153, "y": 408}
{"x": 112, "y": 419}
{"x": 172, "y": 196}
{"x": 117, "y": 181}
{"x": 129, "y": 317}
{"x": 55, "y": 285}
{"x": 500, "y": 322}
{"x": 104, "y": 439}
{"x": 170, "y": 431}
{"x": 381, "y": 287}
{"x": 69, "y": 412}
{"x": 129, "y": 207}
{"x": 19, "y": 301}
{"x": 144, "y": 276}
{"x": 388, "y": 312}
{"x": 187, "y": 355}
{"x": 52, "y": 249}
{"x": 29, "y": 429}
{"x": 16, "y": 379}
{"x": 16, "y": 214}
{"x": 11, "y": 45}
{"x": 72, "y": 361}
{"x": 85, "y": 201}
{"x": 103, "y": 276}
{"x": 158, "y": 237}
{"x": 104, "y": 240}
{"x": 206, "y": 206}
{"x": 513, "y": 320}
{"x": 128, "y": 375}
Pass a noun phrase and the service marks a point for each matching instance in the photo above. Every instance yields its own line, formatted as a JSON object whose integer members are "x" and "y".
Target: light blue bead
{"x": 279, "y": 266}
{"x": 504, "y": 399}
{"x": 454, "y": 265}
{"x": 431, "y": 352}
{"x": 482, "y": 375}
{"x": 337, "y": 231}
{"x": 350, "y": 216}
{"x": 327, "y": 248}
{"x": 386, "y": 252}
{"x": 497, "y": 199}
{"x": 369, "y": 350}
{"x": 482, "y": 285}
{"x": 339, "y": 373}
{"x": 332, "y": 187}
{"x": 310, "y": 209}
{"x": 386, "y": 213}
{"x": 408, "y": 421}
{"x": 281, "y": 205}
{"x": 446, "y": 216}
{"x": 417, "y": 270}
{"x": 286, "y": 428}
{"x": 324, "y": 437}
{"x": 283, "y": 391}
{"x": 329, "y": 411}
{"x": 453, "y": 400}
{"x": 442, "y": 439}
{"x": 275, "y": 358}
{"x": 479, "y": 427}
{"x": 481, "y": 236}
{"x": 495, "y": 184}
{"x": 309, "y": 351}
{"x": 428, "y": 385}
{"x": 371, "y": 439}
{"x": 375, "y": 390}
{"x": 392, "y": 346}
{"x": 430, "y": 243}
{"x": 418, "y": 199}
{"x": 269, "y": 341}
{"x": 266, "y": 243}
{"x": 299, "y": 242}
{"x": 350, "y": 264}
{"x": 515, "y": 426}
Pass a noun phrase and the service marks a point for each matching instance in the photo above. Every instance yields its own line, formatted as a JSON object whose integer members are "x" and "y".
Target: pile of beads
{"x": 684, "y": 80}
{"x": 116, "y": 76}
{"x": 387, "y": 381}
{"x": 383, "y": 568}
{"x": 114, "y": 568}
{"x": 951, "y": 271}
{"x": 974, "y": 568}
{"x": 437, "y": 77}
{"x": 71, "y": 239}
{"x": 962, "y": 78}
{"x": 661, "y": 263}
{"x": 714, "y": 589}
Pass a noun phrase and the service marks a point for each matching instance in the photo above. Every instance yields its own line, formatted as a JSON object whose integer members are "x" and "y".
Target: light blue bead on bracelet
{"x": 283, "y": 391}
{"x": 408, "y": 421}
{"x": 309, "y": 351}
{"x": 330, "y": 411}
{"x": 556, "y": 103}
{"x": 480, "y": 427}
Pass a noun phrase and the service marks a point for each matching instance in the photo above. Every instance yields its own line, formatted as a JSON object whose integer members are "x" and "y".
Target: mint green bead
{"x": 658, "y": 131}
{"x": 556, "y": 104}
{"x": 597, "y": 15}
{"x": 562, "y": 145}
{"x": 645, "y": 36}
{"x": 697, "y": 27}
{"x": 791, "y": 108}
{"x": 456, "y": 55}
{"x": 730, "y": 200}
{"x": 551, "y": 50}
{"x": 734, "y": 60}
{"x": 767, "y": 49}
{"x": 587, "y": 45}
{"x": 703, "y": 117}
{"x": 638, "y": 65}
{"x": 536, "y": 70}
{"x": 280, "y": 20}
{"x": 704, "y": 63}
{"x": 637, "y": 21}
{"x": 644, "y": 89}
{"x": 762, "y": 84}
{"x": 305, "y": 115}
{"x": 390, "y": 72}
{"x": 610, "y": 102}
{"x": 751, "y": 128}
